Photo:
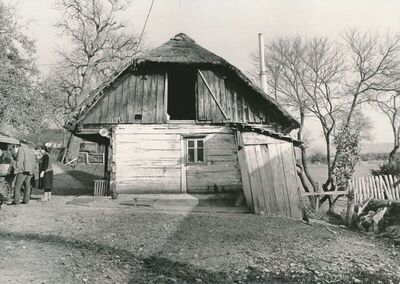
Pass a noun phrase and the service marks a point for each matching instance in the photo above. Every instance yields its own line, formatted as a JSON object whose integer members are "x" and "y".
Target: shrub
{"x": 317, "y": 158}
{"x": 388, "y": 169}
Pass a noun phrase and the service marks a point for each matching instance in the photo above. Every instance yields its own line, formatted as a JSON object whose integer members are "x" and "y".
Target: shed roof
{"x": 245, "y": 127}
{"x": 8, "y": 139}
{"x": 181, "y": 49}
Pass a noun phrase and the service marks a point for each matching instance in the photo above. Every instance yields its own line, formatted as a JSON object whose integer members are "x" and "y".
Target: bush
{"x": 374, "y": 156}
{"x": 317, "y": 158}
{"x": 388, "y": 169}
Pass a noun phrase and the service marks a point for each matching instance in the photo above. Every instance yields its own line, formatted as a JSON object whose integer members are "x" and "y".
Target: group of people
{"x": 29, "y": 167}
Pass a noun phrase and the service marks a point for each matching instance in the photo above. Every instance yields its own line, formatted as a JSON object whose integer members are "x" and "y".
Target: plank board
{"x": 131, "y": 99}
{"x": 267, "y": 179}
{"x": 277, "y": 170}
{"x": 252, "y": 138}
{"x": 244, "y": 172}
{"x": 255, "y": 180}
{"x": 292, "y": 188}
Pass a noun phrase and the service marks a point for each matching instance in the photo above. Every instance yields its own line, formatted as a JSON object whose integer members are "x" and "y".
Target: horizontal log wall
{"x": 131, "y": 96}
{"x": 221, "y": 171}
{"x": 148, "y": 159}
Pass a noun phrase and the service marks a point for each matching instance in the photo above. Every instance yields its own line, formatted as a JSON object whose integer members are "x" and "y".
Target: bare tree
{"x": 285, "y": 65}
{"x": 374, "y": 66}
{"x": 322, "y": 85}
{"x": 100, "y": 45}
{"x": 389, "y": 104}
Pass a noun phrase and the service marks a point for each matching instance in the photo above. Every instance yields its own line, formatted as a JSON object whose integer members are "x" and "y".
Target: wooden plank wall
{"x": 239, "y": 103}
{"x": 269, "y": 175}
{"x": 148, "y": 159}
{"x": 138, "y": 94}
{"x": 131, "y": 95}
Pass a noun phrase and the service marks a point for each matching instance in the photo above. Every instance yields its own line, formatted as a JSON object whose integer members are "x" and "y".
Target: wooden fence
{"x": 377, "y": 187}
{"x": 101, "y": 187}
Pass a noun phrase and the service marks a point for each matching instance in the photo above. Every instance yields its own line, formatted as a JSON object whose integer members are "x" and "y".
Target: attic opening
{"x": 181, "y": 93}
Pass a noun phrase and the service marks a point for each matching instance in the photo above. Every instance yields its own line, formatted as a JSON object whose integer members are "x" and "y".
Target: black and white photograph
{"x": 200, "y": 141}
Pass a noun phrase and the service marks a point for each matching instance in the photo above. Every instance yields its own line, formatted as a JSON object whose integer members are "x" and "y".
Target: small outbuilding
{"x": 6, "y": 141}
{"x": 180, "y": 119}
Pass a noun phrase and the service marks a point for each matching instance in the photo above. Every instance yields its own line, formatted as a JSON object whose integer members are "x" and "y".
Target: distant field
{"x": 319, "y": 172}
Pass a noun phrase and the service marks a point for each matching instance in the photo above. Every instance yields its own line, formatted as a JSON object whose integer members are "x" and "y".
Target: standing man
{"x": 25, "y": 166}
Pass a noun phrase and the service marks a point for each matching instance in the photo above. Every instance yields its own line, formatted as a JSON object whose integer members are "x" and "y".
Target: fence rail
{"x": 377, "y": 187}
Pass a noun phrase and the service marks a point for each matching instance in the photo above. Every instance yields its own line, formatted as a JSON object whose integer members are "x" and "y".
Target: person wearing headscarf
{"x": 46, "y": 173}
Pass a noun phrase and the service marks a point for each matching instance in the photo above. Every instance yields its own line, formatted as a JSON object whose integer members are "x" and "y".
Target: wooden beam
{"x": 212, "y": 94}
{"x": 324, "y": 193}
{"x": 183, "y": 165}
{"x": 166, "y": 97}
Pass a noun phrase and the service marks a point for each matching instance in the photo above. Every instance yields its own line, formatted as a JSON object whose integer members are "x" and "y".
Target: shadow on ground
{"x": 74, "y": 182}
{"x": 143, "y": 268}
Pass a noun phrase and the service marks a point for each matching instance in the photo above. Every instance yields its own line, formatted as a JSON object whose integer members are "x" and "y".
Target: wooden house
{"x": 180, "y": 119}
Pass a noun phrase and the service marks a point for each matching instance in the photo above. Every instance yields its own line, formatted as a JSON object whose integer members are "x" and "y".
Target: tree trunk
{"x": 72, "y": 149}
{"x": 305, "y": 175}
{"x": 330, "y": 183}
{"x": 396, "y": 144}
{"x": 392, "y": 154}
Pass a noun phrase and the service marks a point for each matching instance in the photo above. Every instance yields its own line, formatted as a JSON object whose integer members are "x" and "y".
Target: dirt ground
{"x": 55, "y": 242}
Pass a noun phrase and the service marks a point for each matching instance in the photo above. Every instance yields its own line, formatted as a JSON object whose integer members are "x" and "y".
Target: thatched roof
{"x": 180, "y": 49}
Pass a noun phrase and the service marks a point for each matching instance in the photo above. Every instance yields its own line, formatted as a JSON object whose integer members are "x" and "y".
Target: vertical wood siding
{"x": 131, "y": 95}
{"x": 269, "y": 175}
{"x": 149, "y": 159}
{"x": 137, "y": 94}
{"x": 240, "y": 104}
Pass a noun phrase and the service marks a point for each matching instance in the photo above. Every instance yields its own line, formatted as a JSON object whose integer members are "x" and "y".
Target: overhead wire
{"x": 144, "y": 25}
{"x": 140, "y": 37}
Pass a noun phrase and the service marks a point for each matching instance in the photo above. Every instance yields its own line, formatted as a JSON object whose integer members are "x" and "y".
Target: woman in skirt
{"x": 46, "y": 173}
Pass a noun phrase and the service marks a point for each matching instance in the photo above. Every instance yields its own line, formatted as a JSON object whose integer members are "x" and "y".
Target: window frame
{"x": 195, "y": 148}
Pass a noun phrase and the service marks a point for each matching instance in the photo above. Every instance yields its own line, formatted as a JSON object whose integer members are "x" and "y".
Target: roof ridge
{"x": 182, "y": 37}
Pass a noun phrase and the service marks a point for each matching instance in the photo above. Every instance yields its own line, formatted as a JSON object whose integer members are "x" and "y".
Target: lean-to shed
{"x": 7, "y": 141}
{"x": 179, "y": 118}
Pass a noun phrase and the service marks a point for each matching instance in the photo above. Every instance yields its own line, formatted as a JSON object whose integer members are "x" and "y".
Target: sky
{"x": 230, "y": 28}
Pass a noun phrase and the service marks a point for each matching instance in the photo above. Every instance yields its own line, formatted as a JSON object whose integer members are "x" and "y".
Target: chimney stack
{"x": 263, "y": 73}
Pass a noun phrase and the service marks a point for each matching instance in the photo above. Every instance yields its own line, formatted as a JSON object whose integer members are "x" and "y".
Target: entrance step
{"x": 217, "y": 199}
{"x": 159, "y": 199}
{"x": 184, "y": 199}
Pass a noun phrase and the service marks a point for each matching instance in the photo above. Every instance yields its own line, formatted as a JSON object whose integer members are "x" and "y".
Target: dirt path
{"x": 56, "y": 242}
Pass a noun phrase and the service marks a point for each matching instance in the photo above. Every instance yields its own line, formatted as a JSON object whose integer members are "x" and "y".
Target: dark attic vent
{"x": 181, "y": 93}
{"x": 138, "y": 116}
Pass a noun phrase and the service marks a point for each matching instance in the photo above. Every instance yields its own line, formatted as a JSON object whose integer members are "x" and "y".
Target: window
{"x": 195, "y": 150}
